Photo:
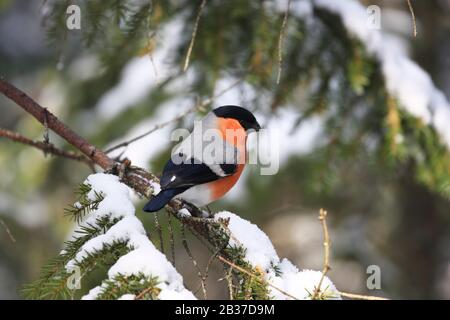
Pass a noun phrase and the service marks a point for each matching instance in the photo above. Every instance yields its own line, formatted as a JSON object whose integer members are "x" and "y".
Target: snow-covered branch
{"x": 142, "y": 262}
{"x": 405, "y": 80}
{"x": 284, "y": 280}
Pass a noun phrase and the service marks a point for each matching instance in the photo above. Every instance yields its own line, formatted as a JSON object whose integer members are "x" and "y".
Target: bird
{"x": 200, "y": 179}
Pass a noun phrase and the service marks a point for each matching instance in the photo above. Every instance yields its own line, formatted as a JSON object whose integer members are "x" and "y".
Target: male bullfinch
{"x": 201, "y": 178}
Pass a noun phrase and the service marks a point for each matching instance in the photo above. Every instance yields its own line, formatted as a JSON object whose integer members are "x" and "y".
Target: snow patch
{"x": 143, "y": 257}
{"x": 286, "y": 281}
{"x": 116, "y": 202}
{"x": 156, "y": 187}
{"x": 93, "y": 293}
{"x": 300, "y": 284}
{"x": 184, "y": 213}
{"x": 142, "y": 74}
{"x": 259, "y": 249}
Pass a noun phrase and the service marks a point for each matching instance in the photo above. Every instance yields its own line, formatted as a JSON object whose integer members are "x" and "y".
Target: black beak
{"x": 254, "y": 125}
{"x": 257, "y": 127}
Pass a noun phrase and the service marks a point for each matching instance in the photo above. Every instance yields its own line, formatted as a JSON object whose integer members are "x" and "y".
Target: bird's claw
{"x": 195, "y": 212}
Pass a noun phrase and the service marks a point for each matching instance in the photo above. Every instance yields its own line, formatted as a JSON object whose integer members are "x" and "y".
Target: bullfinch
{"x": 200, "y": 177}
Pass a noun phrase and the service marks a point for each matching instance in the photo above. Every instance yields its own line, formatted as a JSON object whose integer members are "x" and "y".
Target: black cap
{"x": 245, "y": 117}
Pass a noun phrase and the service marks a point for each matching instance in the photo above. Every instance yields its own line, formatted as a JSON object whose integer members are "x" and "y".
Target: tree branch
{"x": 45, "y": 147}
{"x": 46, "y": 118}
{"x": 257, "y": 278}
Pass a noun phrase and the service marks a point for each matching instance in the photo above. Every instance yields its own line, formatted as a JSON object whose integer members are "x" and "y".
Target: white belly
{"x": 198, "y": 195}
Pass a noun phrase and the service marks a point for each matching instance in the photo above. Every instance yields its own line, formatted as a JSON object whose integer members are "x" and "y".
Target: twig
{"x": 13, "y": 240}
{"x": 196, "y": 107}
{"x": 413, "y": 17}
{"x": 210, "y": 261}
{"x": 326, "y": 263}
{"x": 47, "y": 148}
{"x": 326, "y": 246}
{"x": 143, "y": 293}
{"x": 159, "y": 230}
{"x": 46, "y": 134}
{"x": 37, "y": 111}
{"x": 229, "y": 279}
{"x": 155, "y": 128}
{"x": 259, "y": 279}
{"x": 360, "y": 296}
{"x": 198, "y": 236}
{"x": 281, "y": 41}
{"x": 194, "y": 34}
{"x": 194, "y": 262}
{"x": 171, "y": 237}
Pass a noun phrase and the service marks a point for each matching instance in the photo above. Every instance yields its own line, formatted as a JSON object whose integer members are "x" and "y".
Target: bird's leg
{"x": 122, "y": 168}
{"x": 209, "y": 210}
{"x": 195, "y": 212}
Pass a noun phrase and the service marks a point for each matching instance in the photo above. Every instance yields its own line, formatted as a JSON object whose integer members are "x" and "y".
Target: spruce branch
{"x": 252, "y": 287}
{"x": 141, "y": 286}
{"x": 84, "y": 205}
{"x": 52, "y": 283}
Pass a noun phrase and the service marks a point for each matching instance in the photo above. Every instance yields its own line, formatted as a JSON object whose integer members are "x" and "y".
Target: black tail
{"x": 161, "y": 199}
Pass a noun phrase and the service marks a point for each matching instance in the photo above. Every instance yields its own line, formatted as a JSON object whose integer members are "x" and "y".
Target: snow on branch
{"x": 142, "y": 261}
{"x": 284, "y": 280}
{"x": 405, "y": 80}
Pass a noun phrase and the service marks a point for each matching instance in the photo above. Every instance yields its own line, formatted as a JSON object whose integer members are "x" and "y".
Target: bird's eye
{"x": 180, "y": 154}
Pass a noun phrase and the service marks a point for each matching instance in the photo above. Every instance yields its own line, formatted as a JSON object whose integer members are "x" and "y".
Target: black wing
{"x": 189, "y": 173}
